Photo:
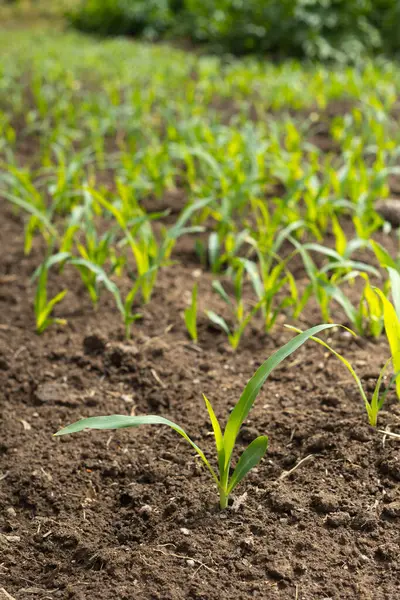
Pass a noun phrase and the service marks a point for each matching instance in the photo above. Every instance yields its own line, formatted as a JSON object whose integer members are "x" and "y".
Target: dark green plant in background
{"x": 341, "y": 30}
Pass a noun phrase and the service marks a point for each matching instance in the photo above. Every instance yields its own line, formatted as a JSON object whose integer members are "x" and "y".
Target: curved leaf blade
{"x": 250, "y": 392}
{"x": 122, "y": 421}
{"x": 249, "y": 459}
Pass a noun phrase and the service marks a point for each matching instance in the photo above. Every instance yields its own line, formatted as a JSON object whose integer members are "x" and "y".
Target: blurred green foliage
{"x": 342, "y": 30}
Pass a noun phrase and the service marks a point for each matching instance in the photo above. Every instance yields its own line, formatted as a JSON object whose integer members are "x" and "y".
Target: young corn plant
{"x": 190, "y": 315}
{"x": 374, "y": 405}
{"x": 267, "y": 283}
{"x": 241, "y": 318}
{"x": 368, "y": 318}
{"x": 44, "y": 307}
{"x": 124, "y": 306}
{"x": 224, "y": 441}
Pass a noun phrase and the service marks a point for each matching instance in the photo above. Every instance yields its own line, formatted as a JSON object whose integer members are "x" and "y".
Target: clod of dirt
{"x": 157, "y": 400}
{"x": 389, "y": 210}
{"x": 280, "y": 569}
{"x": 248, "y": 434}
{"x": 55, "y": 393}
{"x": 94, "y": 344}
{"x": 361, "y": 433}
{"x": 338, "y": 519}
{"x": 3, "y": 364}
{"x": 364, "y": 522}
{"x": 122, "y": 356}
{"x": 281, "y": 502}
{"x": 391, "y": 467}
{"x": 387, "y": 552}
{"x": 324, "y": 503}
{"x": 392, "y": 510}
{"x": 319, "y": 442}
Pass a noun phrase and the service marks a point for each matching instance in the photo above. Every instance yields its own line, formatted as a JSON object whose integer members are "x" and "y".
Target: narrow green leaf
{"x": 249, "y": 459}
{"x": 122, "y": 421}
{"x": 384, "y": 258}
{"x": 394, "y": 276}
{"x": 377, "y": 401}
{"x": 392, "y": 328}
{"x": 219, "y": 440}
{"x": 103, "y": 277}
{"x": 30, "y": 208}
{"x": 217, "y": 287}
{"x": 218, "y": 321}
{"x": 343, "y": 360}
{"x": 242, "y": 408}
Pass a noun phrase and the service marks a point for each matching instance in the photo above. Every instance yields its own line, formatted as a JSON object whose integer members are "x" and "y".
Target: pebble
{"x": 11, "y": 512}
{"x": 185, "y": 531}
{"x": 190, "y": 562}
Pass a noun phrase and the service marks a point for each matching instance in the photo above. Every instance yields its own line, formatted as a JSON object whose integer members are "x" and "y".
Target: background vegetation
{"x": 325, "y": 29}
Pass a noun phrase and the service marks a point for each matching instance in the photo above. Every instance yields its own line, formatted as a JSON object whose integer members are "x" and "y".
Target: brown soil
{"x": 132, "y": 514}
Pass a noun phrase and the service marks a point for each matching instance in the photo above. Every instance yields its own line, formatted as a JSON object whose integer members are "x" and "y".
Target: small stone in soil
{"x": 185, "y": 531}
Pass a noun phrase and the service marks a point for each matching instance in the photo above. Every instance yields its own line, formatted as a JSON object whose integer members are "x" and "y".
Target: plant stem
{"x": 223, "y": 499}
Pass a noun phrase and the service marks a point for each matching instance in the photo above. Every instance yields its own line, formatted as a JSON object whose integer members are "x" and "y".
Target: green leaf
{"x": 213, "y": 250}
{"x": 377, "y": 401}
{"x": 103, "y": 277}
{"x": 250, "y": 392}
{"x": 343, "y": 360}
{"x": 392, "y": 328}
{"x": 217, "y": 287}
{"x": 384, "y": 258}
{"x": 51, "y": 304}
{"x": 219, "y": 440}
{"x": 249, "y": 459}
{"x": 122, "y": 421}
{"x": 30, "y": 208}
{"x": 218, "y": 321}
{"x": 190, "y": 314}
{"x": 394, "y": 276}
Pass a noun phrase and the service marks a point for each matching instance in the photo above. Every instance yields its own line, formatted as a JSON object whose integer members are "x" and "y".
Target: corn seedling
{"x": 124, "y": 306}
{"x": 374, "y": 405}
{"x": 241, "y": 318}
{"x": 224, "y": 441}
{"x": 44, "y": 307}
{"x": 190, "y": 315}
